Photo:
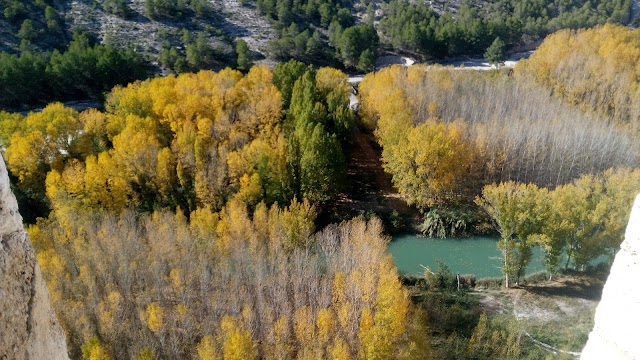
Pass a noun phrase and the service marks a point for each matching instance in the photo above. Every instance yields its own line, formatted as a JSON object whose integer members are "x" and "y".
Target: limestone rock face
{"x": 29, "y": 328}
{"x": 615, "y": 334}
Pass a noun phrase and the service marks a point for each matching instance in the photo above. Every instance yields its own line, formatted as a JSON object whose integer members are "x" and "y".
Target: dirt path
{"x": 368, "y": 187}
{"x": 555, "y": 315}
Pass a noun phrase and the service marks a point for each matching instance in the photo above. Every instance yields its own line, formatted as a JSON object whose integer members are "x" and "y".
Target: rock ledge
{"x": 615, "y": 333}
{"x": 29, "y": 328}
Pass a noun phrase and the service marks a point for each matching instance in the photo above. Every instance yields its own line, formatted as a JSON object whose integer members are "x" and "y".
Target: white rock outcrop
{"x": 615, "y": 334}
{"x": 29, "y": 328}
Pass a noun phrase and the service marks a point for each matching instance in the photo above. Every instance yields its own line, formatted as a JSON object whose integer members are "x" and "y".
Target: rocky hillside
{"x": 222, "y": 22}
{"x": 209, "y": 26}
{"x": 29, "y": 327}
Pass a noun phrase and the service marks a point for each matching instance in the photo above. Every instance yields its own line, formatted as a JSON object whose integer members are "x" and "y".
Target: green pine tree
{"x": 245, "y": 59}
{"x": 497, "y": 52}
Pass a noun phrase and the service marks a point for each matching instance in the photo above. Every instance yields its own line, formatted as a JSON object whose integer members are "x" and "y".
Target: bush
{"x": 489, "y": 283}
{"x": 443, "y": 223}
{"x": 442, "y": 279}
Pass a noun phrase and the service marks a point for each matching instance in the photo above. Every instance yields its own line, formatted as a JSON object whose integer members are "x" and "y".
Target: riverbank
{"x": 551, "y": 318}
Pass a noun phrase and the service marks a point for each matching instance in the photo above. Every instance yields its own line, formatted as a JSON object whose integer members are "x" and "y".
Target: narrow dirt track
{"x": 368, "y": 187}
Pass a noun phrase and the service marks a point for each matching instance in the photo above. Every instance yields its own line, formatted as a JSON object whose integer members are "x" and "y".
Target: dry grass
{"x": 559, "y": 313}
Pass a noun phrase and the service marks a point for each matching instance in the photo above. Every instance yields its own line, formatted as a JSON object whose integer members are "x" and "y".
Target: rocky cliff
{"x": 29, "y": 328}
{"x": 615, "y": 333}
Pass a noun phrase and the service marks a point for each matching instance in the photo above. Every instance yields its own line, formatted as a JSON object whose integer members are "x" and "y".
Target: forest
{"x": 526, "y": 163}
{"x": 470, "y": 29}
{"x": 182, "y": 219}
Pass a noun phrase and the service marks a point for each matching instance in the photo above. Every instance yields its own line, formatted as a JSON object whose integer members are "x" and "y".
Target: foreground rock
{"x": 29, "y": 328}
{"x": 615, "y": 333}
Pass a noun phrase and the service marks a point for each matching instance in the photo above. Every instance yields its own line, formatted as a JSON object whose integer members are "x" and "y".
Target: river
{"x": 477, "y": 255}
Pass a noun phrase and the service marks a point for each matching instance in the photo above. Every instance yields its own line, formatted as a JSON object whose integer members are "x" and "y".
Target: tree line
{"x": 594, "y": 69}
{"x": 422, "y": 29}
{"x": 470, "y": 29}
{"x": 574, "y": 223}
{"x": 232, "y": 285}
{"x": 84, "y": 69}
{"x": 195, "y": 140}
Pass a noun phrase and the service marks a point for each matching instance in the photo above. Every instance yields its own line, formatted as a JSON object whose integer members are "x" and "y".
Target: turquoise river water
{"x": 477, "y": 255}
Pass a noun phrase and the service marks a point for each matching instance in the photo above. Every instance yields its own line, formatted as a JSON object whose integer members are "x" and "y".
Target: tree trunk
{"x": 566, "y": 265}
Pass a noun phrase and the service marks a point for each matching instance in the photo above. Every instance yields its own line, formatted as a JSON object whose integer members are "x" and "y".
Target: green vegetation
{"x": 195, "y": 53}
{"x": 489, "y": 323}
{"x": 317, "y": 121}
{"x": 416, "y": 27}
{"x": 83, "y": 70}
{"x": 31, "y": 25}
{"x": 357, "y": 46}
{"x": 157, "y": 9}
{"x": 117, "y": 7}
{"x": 582, "y": 220}
{"x": 497, "y": 52}
{"x": 302, "y": 45}
{"x": 341, "y": 33}
{"x": 245, "y": 60}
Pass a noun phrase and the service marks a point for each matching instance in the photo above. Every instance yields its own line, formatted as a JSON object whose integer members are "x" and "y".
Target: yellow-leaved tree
{"x": 519, "y": 212}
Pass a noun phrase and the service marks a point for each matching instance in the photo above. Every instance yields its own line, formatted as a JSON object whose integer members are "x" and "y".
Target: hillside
{"x": 428, "y": 30}
{"x": 126, "y": 40}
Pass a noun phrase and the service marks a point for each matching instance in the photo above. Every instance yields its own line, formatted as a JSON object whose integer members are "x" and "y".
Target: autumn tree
{"x": 429, "y": 167}
{"x": 547, "y": 148}
{"x": 519, "y": 212}
{"x": 587, "y": 218}
{"x": 593, "y": 69}
{"x": 237, "y": 284}
{"x": 574, "y": 227}
{"x": 195, "y": 140}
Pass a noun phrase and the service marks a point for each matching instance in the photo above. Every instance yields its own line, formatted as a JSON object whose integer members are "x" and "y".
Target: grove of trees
{"x": 196, "y": 140}
{"x": 175, "y": 231}
{"x": 232, "y": 285}
{"x": 441, "y": 149}
{"x": 31, "y": 25}
{"x": 447, "y": 136}
{"x": 471, "y": 28}
{"x": 83, "y": 70}
{"x": 579, "y": 221}
{"x": 595, "y": 69}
